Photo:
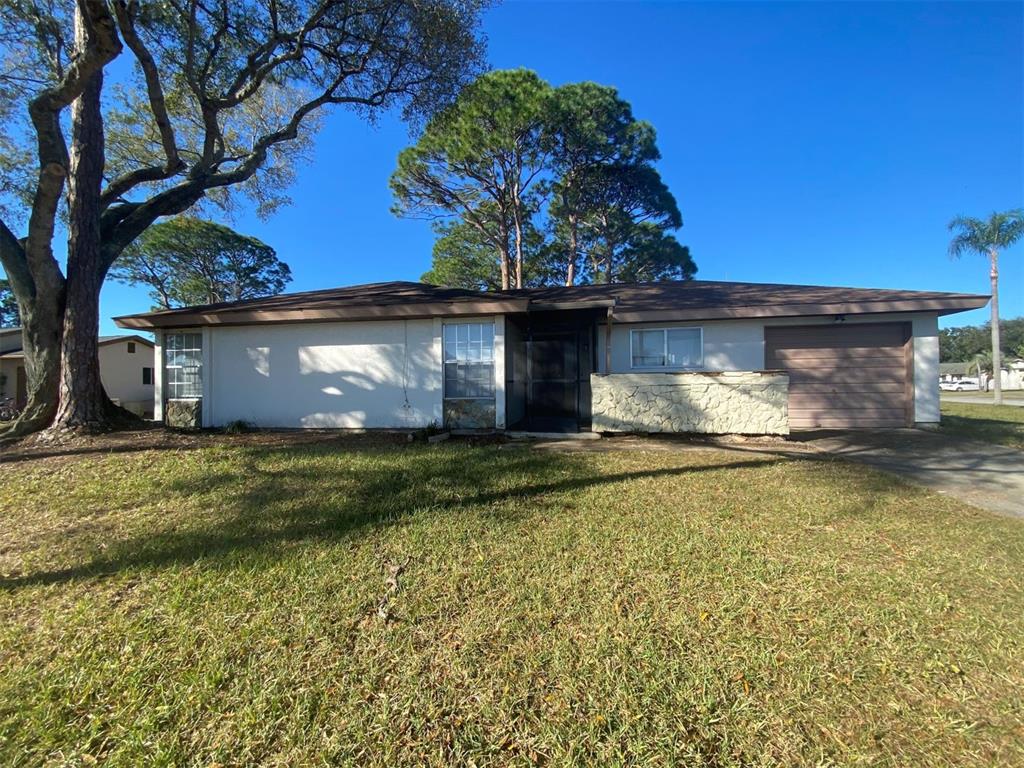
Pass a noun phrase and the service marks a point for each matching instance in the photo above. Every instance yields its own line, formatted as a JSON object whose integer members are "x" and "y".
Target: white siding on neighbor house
{"x": 10, "y": 338}
{"x": 738, "y": 345}
{"x": 358, "y": 374}
{"x": 121, "y": 372}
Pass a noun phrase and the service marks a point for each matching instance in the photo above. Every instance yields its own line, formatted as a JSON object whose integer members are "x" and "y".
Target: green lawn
{"x": 1009, "y": 394}
{"x": 1003, "y": 424}
{"x": 223, "y": 605}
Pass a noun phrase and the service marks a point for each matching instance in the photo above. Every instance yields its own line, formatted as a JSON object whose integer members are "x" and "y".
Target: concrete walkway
{"x": 987, "y": 476}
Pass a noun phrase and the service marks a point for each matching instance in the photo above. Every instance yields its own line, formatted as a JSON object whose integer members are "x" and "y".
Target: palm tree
{"x": 1000, "y": 231}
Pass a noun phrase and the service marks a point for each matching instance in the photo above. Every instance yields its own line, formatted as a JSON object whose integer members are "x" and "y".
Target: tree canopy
{"x": 965, "y": 343}
{"x": 188, "y": 261}
{"x": 559, "y": 184}
{"x": 982, "y": 236}
{"x": 216, "y": 102}
{"x": 478, "y": 161}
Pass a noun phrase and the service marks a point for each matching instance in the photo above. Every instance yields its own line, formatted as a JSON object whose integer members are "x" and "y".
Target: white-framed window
{"x": 666, "y": 348}
{"x": 469, "y": 360}
{"x": 183, "y": 360}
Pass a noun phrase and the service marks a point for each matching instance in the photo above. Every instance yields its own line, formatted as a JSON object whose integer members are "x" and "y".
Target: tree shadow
{"x": 261, "y": 513}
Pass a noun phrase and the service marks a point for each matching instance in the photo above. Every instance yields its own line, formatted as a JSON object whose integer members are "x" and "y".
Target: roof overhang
{"x": 623, "y": 311}
{"x": 411, "y": 311}
{"x": 943, "y": 306}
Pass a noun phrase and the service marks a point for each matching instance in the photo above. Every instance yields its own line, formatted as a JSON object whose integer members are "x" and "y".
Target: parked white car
{"x": 961, "y": 385}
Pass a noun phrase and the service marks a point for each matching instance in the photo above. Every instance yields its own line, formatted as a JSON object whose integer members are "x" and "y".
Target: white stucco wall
{"x": 926, "y": 369}
{"x": 349, "y": 375}
{"x": 738, "y": 345}
{"x": 121, "y": 373}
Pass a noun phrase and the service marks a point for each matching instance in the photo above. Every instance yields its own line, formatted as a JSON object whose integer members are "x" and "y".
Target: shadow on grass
{"x": 306, "y": 495}
{"x": 1008, "y": 433}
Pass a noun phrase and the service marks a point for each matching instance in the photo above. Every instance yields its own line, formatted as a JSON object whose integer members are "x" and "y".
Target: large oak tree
{"x": 214, "y": 98}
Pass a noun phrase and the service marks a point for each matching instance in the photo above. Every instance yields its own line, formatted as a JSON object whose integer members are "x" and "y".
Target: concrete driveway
{"x": 987, "y": 476}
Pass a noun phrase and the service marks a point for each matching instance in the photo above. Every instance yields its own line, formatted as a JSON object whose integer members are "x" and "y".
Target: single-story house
{"x": 127, "y": 370}
{"x": 695, "y": 356}
{"x": 953, "y": 371}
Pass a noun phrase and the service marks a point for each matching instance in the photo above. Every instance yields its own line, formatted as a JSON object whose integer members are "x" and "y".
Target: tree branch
{"x": 12, "y": 257}
{"x": 126, "y": 13}
{"x": 45, "y": 109}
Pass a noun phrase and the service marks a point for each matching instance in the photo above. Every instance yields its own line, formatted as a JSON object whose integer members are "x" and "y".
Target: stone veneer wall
{"x": 184, "y": 414}
{"x": 468, "y": 414}
{"x": 746, "y": 403}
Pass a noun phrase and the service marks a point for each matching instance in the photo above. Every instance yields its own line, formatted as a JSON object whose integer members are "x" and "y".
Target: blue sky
{"x": 822, "y": 143}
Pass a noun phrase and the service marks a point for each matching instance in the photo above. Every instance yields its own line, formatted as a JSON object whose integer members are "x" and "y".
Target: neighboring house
{"x": 1012, "y": 374}
{"x": 955, "y": 371}
{"x": 689, "y": 356}
{"x": 126, "y": 370}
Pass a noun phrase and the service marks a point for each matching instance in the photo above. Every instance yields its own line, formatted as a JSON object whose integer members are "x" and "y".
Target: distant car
{"x": 961, "y": 385}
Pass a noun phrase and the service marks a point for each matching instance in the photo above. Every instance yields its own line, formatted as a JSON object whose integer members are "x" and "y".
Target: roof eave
{"x": 941, "y": 306}
{"x": 412, "y": 311}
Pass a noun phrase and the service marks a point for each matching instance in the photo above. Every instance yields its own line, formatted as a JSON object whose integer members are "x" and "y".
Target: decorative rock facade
{"x": 745, "y": 403}
{"x": 469, "y": 414}
{"x": 184, "y": 414}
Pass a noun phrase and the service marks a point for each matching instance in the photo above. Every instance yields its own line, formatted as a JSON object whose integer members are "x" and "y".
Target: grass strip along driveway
{"x": 999, "y": 424}
{"x": 359, "y": 602}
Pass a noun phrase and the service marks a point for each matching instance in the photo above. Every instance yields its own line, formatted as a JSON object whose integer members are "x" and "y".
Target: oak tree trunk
{"x": 41, "y": 332}
{"x": 81, "y": 402}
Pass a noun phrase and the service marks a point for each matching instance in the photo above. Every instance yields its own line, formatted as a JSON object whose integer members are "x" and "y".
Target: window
{"x": 147, "y": 375}
{"x": 469, "y": 360}
{"x": 667, "y": 348}
{"x": 183, "y": 356}
{"x": 131, "y": 347}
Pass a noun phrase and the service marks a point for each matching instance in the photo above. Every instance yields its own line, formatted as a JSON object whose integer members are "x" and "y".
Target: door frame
{"x": 574, "y": 379}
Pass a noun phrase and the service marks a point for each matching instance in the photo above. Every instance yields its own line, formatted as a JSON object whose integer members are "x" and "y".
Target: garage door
{"x": 844, "y": 376}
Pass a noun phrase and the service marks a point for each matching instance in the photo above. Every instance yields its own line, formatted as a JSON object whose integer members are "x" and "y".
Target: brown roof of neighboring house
{"x": 628, "y": 302}
{"x": 103, "y": 341}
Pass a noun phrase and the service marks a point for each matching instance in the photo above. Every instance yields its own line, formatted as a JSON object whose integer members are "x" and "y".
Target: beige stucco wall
{"x": 121, "y": 374}
{"x": 743, "y": 402}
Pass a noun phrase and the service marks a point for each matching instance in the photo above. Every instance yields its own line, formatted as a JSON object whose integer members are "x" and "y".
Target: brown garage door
{"x": 844, "y": 376}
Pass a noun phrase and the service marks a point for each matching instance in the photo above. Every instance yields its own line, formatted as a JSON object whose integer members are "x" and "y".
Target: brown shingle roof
{"x": 630, "y": 302}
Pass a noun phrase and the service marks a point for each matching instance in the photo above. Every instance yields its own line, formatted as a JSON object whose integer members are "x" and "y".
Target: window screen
{"x": 667, "y": 348}
{"x": 183, "y": 356}
{"x": 469, "y": 360}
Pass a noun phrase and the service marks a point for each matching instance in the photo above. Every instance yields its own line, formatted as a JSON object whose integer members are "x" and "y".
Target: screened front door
{"x": 553, "y": 395}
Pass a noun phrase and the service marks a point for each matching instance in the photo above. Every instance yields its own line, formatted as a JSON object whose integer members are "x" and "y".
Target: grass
{"x": 1008, "y": 394}
{"x": 1001, "y": 424}
{"x": 231, "y": 605}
